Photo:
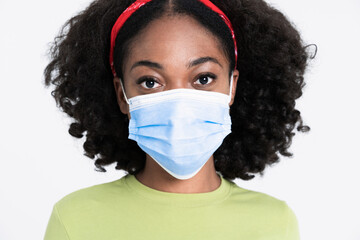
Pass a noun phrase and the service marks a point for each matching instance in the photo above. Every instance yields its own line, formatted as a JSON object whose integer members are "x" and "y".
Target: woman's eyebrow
{"x": 190, "y": 65}
{"x": 203, "y": 60}
{"x": 148, "y": 64}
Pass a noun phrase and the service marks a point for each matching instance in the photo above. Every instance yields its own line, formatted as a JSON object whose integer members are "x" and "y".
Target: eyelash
{"x": 210, "y": 75}
{"x": 144, "y": 79}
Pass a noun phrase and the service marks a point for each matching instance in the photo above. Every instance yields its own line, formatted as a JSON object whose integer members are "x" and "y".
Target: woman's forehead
{"x": 175, "y": 39}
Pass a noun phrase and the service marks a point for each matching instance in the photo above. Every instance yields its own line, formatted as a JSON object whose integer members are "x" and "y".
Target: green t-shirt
{"x": 127, "y": 209}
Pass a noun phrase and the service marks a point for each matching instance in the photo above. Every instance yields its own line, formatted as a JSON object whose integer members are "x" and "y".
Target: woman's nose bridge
{"x": 177, "y": 82}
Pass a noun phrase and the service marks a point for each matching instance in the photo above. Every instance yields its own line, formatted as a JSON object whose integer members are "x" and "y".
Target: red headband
{"x": 139, "y": 3}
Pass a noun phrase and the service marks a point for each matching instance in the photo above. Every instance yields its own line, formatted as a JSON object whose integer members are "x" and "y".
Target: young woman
{"x": 186, "y": 96}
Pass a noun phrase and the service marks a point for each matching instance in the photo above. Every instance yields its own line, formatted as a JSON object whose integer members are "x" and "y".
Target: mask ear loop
{"x": 231, "y": 85}
{"x": 123, "y": 90}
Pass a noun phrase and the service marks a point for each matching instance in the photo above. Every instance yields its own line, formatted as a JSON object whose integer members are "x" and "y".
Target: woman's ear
{"x": 124, "y": 107}
{"x": 233, "y": 90}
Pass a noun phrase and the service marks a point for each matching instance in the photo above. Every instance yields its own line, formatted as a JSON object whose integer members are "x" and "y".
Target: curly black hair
{"x": 271, "y": 61}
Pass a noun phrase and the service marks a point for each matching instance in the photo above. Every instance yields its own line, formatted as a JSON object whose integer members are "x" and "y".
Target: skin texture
{"x": 173, "y": 42}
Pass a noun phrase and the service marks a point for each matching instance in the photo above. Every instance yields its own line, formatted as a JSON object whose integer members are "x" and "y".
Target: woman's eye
{"x": 149, "y": 83}
{"x": 205, "y": 79}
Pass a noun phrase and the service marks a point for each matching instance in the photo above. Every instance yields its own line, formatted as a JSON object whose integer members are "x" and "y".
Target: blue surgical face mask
{"x": 181, "y": 128}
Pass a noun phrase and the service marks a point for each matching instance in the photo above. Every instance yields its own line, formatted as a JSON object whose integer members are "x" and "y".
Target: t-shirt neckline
{"x": 180, "y": 199}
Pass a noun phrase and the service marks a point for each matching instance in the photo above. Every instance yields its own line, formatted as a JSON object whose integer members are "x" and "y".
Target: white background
{"x": 41, "y": 162}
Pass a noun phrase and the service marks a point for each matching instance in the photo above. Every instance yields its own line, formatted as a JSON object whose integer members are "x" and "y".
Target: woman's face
{"x": 174, "y": 52}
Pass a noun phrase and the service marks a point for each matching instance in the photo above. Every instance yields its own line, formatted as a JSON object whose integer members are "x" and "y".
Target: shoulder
{"x": 265, "y": 210}
{"x": 90, "y": 198}
{"x": 258, "y": 200}
{"x": 75, "y": 212}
